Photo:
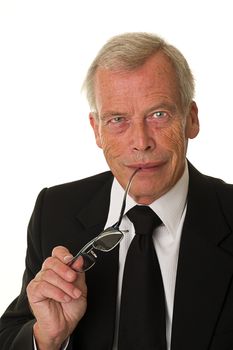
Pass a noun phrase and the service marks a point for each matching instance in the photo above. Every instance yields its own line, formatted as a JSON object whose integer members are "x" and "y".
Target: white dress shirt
{"x": 171, "y": 208}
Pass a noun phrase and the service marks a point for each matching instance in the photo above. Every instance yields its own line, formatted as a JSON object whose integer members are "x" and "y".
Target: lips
{"x": 146, "y": 166}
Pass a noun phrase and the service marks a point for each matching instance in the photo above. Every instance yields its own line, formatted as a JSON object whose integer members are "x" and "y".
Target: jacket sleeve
{"x": 17, "y": 321}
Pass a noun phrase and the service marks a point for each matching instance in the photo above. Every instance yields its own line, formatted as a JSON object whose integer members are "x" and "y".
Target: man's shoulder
{"x": 225, "y": 192}
{"x": 75, "y": 193}
{"x": 206, "y": 180}
{"x": 225, "y": 196}
{"x": 213, "y": 187}
{"x": 93, "y": 180}
{"x": 90, "y": 184}
{"x": 220, "y": 185}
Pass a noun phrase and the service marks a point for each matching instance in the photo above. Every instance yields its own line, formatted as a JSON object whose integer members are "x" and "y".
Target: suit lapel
{"x": 96, "y": 330}
{"x": 204, "y": 268}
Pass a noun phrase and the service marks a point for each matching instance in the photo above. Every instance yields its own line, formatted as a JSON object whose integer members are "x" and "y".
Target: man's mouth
{"x": 150, "y": 166}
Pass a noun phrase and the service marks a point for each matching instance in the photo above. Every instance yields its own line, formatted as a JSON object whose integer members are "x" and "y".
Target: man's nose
{"x": 142, "y": 140}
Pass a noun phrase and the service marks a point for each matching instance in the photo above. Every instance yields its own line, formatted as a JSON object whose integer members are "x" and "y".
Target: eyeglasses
{"x": 104, "y": 242}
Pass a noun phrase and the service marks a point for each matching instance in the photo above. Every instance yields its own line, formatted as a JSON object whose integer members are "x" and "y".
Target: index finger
{"x": 62, "y": 253}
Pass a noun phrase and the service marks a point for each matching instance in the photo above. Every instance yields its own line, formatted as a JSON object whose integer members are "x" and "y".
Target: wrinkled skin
{"x": 140, "y": 123}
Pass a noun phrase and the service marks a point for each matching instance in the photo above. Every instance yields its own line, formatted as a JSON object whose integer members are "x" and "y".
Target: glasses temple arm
{"x": 117, "y": 224}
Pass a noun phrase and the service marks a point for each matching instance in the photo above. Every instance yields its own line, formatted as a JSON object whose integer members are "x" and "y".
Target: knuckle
{"x": 31, "y": 288}
{"x": 47, "y": 275}
{"x": 58, "y": 250}
{"x": 48, "y": 263}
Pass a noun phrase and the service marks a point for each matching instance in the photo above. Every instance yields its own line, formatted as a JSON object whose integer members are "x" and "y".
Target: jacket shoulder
{"x": 83, "y": 187}
{"x": 72, "y": 196}
{"x": 224, "y": 194}
{"x": 205, "y": 180}
{"x": 223, "y": 188}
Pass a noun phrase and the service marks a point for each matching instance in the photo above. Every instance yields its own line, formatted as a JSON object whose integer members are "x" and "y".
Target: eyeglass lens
{"x": 108, "y": 241}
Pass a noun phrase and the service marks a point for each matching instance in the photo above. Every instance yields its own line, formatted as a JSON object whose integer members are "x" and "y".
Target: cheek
{"x": 111, "y": 147}
{"x": 174, "y": 140}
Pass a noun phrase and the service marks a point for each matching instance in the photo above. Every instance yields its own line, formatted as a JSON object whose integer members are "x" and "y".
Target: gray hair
{"x": 129, "y": 51}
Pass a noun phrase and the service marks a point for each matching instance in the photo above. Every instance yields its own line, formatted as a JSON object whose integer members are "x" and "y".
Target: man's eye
{"x": 116, "y": 120}
{"x": 159, "y": 118}
{"x": 160, "y": 114}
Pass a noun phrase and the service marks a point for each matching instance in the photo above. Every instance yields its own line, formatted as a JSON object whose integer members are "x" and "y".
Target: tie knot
{"x": 144, "y": 219}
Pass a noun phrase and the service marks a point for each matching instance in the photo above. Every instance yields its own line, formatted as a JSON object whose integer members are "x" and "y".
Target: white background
{"x": 45, "y": 138}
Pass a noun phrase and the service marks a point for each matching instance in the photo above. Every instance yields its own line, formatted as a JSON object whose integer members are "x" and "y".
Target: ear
{"x": 95, "y": 126}
{"x": 192, "y": 122}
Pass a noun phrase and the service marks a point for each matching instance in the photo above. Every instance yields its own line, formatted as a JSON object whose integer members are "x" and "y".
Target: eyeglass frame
{"x": 114, "y": 229}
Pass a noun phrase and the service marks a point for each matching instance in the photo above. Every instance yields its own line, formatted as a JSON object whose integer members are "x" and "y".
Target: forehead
{"x": 156, "y": 77}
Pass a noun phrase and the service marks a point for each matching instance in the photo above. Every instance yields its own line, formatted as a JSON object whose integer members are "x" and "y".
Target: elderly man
{"x": 163, "y": 269}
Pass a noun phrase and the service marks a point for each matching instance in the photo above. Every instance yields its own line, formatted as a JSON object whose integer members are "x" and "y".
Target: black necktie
{"x": 142, "y": 324}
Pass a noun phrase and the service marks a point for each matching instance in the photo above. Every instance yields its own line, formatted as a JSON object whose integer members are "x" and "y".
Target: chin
{"x": 151, "y": 191}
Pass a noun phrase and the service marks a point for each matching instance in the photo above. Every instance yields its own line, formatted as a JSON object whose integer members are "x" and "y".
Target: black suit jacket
{"x": 72, "y": 214}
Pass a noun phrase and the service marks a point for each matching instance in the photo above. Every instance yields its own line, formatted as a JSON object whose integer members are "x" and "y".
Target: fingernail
{"x": 68, "y": 258}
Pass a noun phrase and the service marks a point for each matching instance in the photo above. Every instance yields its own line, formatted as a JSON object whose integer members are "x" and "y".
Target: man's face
{"x": 141, "y": 124}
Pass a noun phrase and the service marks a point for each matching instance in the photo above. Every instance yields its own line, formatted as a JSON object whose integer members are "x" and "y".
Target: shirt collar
{"x": 169, "y": 207}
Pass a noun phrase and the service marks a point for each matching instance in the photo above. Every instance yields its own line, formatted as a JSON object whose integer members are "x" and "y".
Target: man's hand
{"x": 57, "y": 296}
